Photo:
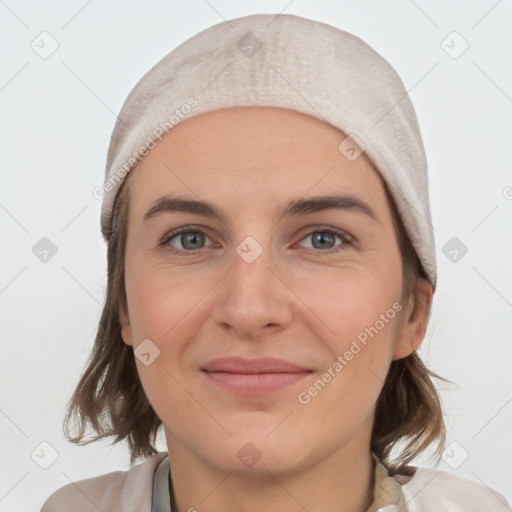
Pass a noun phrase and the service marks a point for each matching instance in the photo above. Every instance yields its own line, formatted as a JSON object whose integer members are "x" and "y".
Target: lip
{"x": 252, "y": 366}
{"x": 253, "y": 376}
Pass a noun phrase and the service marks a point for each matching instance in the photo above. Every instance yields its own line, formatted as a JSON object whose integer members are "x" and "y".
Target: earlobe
{"x": 124, "y": 321}
{"x": 415, "y": 321}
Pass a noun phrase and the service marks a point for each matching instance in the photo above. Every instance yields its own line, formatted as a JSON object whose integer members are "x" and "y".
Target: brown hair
{"x": 110, "y": 398}
{"x": 409, "y": 406}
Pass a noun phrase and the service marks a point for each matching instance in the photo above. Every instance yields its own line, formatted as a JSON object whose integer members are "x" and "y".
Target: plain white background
{"x": 58, "y": 114}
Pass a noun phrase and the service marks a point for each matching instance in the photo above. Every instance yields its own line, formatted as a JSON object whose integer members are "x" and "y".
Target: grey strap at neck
{"x": 161, "y": 497}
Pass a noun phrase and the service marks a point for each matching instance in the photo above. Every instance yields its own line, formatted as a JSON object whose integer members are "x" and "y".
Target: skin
{"x": 294, "y": 302}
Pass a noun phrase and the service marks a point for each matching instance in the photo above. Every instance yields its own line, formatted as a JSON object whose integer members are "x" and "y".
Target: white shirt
{"x": 146, "y": 485}
{"x": 390, "y": 495}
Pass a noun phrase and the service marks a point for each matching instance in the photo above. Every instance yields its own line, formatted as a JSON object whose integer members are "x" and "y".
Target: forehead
{"x": 256, "y": 155}
{"x": 236, "y": 134}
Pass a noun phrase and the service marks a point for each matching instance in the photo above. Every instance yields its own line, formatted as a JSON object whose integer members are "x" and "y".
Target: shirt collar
{"x": 386, "y": 491}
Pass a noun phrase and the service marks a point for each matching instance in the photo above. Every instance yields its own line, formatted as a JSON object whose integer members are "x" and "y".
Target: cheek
{"x": 344, "y": 395}
{"x": 165, "y": 308}
{"x": 362, "y": 314}
{"x": 352, "y": 303}
{"x": 158, "y": 301}
{"x": 159, "y": 312}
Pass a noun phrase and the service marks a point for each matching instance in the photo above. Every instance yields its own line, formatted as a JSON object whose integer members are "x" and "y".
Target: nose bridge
{"x": 252, "y": 295}
{"x": 252, "y": 246}
{"x": 251, "y": 274}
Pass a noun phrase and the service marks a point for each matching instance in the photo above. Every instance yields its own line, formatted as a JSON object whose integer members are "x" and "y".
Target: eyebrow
{"x": 294, "y": 207}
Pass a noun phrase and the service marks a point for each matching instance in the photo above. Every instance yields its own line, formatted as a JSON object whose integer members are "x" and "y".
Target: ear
{"x": 414, "y": 321}
{"x": 124, "y": 321}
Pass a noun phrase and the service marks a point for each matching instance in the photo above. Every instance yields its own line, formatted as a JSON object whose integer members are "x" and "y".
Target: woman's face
{"x": 274, "y": 275}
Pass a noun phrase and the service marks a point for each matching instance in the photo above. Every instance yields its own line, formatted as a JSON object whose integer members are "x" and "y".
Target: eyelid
{"x": 313, "y": 228}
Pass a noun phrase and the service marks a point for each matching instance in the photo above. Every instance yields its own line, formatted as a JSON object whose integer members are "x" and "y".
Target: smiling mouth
{"x": 253, "y": 376}
{"x": 254, "y": 383}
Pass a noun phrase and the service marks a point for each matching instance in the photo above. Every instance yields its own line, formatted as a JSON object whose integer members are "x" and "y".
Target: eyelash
{"x": 347, "y": 239}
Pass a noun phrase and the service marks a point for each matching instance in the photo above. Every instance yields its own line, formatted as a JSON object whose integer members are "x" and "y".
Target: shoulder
{"x": 433, "y": 489}
{"x": 119, "y": 491}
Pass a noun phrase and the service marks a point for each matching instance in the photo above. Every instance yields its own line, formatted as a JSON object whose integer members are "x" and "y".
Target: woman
{"x": 271, "y": 271}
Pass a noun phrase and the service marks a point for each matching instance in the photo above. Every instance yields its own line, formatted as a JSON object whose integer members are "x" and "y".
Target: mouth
{"x": 253, "y": 376}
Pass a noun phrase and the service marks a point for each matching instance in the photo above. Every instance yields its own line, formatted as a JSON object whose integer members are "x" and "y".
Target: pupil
{"x": 321, "y": 237}
{"x": 192, "y": 238}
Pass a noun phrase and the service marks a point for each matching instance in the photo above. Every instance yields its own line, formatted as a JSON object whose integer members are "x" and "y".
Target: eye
{"x": 191, "y": 238}
{"x": 323, "y": 239}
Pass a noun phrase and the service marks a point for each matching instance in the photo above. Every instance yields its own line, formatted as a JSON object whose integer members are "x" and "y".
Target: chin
{"x": 257, "y": 459}
{"x": 255, "y": 450}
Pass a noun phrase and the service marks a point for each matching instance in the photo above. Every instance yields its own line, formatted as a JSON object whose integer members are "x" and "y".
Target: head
{"x": 297, "y": 300}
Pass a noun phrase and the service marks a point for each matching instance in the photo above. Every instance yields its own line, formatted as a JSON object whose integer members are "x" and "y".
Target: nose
{"x": 254, "y": 296}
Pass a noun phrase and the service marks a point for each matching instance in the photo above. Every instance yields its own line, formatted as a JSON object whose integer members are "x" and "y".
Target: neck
{"x": 341, "y": 482}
